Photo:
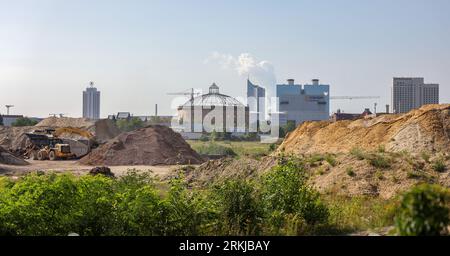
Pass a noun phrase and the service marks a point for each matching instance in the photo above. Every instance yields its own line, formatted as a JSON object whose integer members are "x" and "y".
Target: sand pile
{"x": 13, "y": 138}
{"x": 424, "y": 129}
{"x": 9, "y": 159}
{"x": 66, "y": 122}
{"x": 153, "y": 145}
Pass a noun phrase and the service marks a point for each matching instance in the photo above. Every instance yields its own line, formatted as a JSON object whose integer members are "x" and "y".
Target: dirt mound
{"x": 104, "y": 130}
{"x": 14, "y": 138}
{"x": 153, "y": 145}
{"x": 66, "y": 122}
{"x": 424, "y": 129}
{"x": 9, "y": 159}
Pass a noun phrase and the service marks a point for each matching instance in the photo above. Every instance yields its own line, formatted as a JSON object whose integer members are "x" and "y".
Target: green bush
{"x": 379, "y": 161}
{"x": 128, "y": 125}
{"x": 439, "y": 165}
{"x": 285, "y": 190}
{"x": 24, "y": 121}
{"x": 423, "y": 211}
{"x": 213, "y": 148}
{"x": 239, "y": 207}
{"x": 358, "y": 153}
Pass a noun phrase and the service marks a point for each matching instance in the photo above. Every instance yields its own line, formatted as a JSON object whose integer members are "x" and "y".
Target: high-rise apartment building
{"x": 91, "y": 102}
{"x": 409, "y": 93}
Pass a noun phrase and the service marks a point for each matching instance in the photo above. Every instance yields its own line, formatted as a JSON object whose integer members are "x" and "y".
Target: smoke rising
{"x": 259, "y": 72}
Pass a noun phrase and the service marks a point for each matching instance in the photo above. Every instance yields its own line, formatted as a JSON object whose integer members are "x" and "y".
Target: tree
{"x": 1, "y": 120}
{"x": 24, "y": 121}
{"x": 132, "y": 124}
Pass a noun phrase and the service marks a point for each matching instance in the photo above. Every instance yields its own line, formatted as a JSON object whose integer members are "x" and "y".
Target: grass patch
{"x": 358, "y": 153}
{"x": 379, "y": 161}
{"x": 249, "y": 149}
{"x": 350, "y": 172}
{"x": 439, "y": 165}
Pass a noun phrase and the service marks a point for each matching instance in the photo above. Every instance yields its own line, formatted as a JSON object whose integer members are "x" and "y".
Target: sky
{"x": 137, "y": 52}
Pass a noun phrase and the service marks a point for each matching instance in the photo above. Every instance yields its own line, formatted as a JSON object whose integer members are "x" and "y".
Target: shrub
{"x": 423, "y": 211}
{"x": 425, "y": 156}
{"x": 358, "y": 153}
{"x": 24, "y": 121}
{"x": 439, "y": 165}
{"x": 379, "y": 161}
{"x": 285, "y": 190}
{"x": 213, "y": 148}
{"x": 331, "y": 160}
{"x": 239, "y": 208}
{"x": 350, "y": 172}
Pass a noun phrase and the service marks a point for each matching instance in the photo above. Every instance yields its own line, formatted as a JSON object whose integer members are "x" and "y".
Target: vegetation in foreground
{"x": 278, "y": 203}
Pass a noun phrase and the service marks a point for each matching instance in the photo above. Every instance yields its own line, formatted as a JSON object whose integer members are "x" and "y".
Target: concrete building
{"x": 409, "y": 93}
{"x": 91, "y": 102}
{"x": 256, "y": 97}
{"x": 298, "y": 103}
{"x": 212, "y": 111}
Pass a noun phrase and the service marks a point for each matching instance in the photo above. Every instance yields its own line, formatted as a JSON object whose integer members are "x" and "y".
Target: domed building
{"x": 213, "y": 111}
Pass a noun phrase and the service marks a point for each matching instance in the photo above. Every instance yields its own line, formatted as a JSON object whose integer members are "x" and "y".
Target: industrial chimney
{"x": 315, "y": 81}
{"x": 290, "y": 81}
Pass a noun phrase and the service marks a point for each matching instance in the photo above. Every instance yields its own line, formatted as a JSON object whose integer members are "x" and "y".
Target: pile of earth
{"x": 15, "y": 140}
{"x": 103, "y": 130}
{"x": 9, "y": 159}
{"x": 425, "y": 129}
{"x": 223, "y": 169}
{"x": 153, "y": 145}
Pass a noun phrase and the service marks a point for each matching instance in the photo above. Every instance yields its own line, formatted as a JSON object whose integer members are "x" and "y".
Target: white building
{"x": 298, "y": 103}
{"x": 91, "y": 102}
{"x": 409, "y": 93}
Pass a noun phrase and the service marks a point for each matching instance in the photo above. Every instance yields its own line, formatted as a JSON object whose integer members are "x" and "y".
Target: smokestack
{"x": 315, "y": 81}
{"x": 290, "y": 81}
{"x": 156, "y": 110}
{"x": 387, "y": 109}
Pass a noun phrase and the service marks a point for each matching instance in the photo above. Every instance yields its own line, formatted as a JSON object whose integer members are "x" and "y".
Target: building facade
{"x": 298, "y": 103}
{"x": 409, "y": 93}
{"x": 212, "y": 111}
{"x": 91, "y": 102}
{"x": 256, "y": 97}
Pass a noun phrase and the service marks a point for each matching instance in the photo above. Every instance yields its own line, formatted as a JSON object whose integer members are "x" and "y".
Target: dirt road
{"x": 75, "y": 168}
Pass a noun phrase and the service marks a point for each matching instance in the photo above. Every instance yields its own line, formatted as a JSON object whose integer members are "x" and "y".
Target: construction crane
{"x": 354, "y": 97}
{"x": 7, "y": 108}
{"x": 191, "y": 93}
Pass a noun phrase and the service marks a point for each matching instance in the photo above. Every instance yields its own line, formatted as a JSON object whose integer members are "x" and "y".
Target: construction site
{"x": 340, "y": 154}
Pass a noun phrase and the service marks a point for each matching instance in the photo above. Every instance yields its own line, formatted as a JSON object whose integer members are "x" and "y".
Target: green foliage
{"x": 239, "y": 207}
{"x": 379, "y": 160}
{"x": 289, "y": 127}
{"x": 439, "y": 165}
{"x": 128, "y": 125}
{"x": 24, "y": 121}
{"x": 358, "y": 153}
{"x": 423, "y": 211}
{"x": 359, "y": 213}
{"x": 285, "y": 191}
{"x": 213, "y": 148}
{"x": 331, "y": 159}
{"x": 350, "y": 172}
{"x": 425, "y": 156}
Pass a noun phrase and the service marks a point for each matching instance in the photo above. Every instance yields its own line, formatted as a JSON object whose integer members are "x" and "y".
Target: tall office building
{"x": 298, "y": 103}
{"x": 91, "y": 102}
{"x": 409, "y": 93}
